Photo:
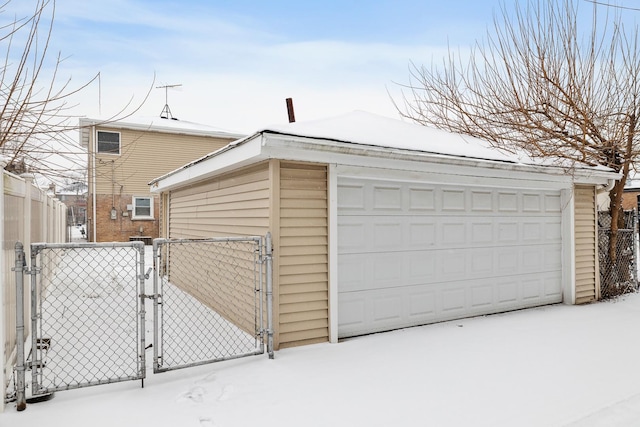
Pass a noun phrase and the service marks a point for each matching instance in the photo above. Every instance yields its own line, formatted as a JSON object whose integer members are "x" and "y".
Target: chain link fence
{"x": 618, "y": 276}
{"x": 210, "y": 303}
{"x": 85, "y": 315}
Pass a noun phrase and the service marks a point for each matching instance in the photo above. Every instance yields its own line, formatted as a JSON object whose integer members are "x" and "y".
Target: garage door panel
{"x": 453, "y": 200}
{"x": 387, "y": 198}
{"x": 351, "y": 198}
{"x": 482, "y": 296}
{"x": 377, "y": 310}
{"x": 387, "y": 233}
{"x": 532, "y": 289}
{"x": 507, "y": 202}
{"x": 411, "y": 253}
{"x": 422, "y": 304}
{"x": 380, "y": 233}
{"x": 353, "y": 236}
{"x": 386, "y": 306}
{"x": 552, "y": 203}
{"x": 352, "y": 314}
{"x": 453, "y": 233}
{"x": 361, "y": 271}
{"x": 421, "y": 199}
{"x": 453, "y": 300}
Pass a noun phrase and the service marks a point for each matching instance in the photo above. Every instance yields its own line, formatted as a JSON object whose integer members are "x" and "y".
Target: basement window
{"x": 108, "y": 142}
{"x": 142, "y": 208}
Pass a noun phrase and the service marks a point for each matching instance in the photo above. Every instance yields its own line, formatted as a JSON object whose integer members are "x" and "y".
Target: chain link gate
{"x": 86, "y": 315}
{"x": 210, "y": 302}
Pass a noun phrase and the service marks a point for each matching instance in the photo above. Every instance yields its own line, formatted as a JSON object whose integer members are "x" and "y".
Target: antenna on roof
{"x": 166, "y": 111}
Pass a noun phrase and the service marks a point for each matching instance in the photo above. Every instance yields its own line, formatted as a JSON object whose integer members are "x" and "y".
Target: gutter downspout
{"x": 606, "y": 188}
{"x": 93, "y": 173}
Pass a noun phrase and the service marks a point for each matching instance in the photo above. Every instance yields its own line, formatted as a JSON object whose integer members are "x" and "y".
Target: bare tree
{"x": 546, "y": 82}
{"x": 35, "y": 111}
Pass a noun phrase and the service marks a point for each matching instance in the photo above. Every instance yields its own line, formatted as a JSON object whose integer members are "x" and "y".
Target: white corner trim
{"x": 333, "y": 253}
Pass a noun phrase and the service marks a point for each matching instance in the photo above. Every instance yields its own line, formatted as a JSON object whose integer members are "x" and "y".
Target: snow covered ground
{"x": 551, "y": 366}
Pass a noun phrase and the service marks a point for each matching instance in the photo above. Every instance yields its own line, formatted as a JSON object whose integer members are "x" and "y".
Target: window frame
{"x": 112, "y": 153}
{"x": 134, "y": 215}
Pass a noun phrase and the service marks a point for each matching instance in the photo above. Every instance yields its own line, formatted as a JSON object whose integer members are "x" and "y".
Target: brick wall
{"x": 630, "y": 200}
{"x": 123, "y": 227}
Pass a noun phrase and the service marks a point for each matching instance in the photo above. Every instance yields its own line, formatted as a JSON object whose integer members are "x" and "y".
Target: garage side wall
{"x": 586, "y": 245}
{"x": 236, "y": 204}
{"x": 303, "y": 255}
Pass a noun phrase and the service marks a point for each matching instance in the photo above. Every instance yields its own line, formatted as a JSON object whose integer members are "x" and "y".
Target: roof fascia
{"x": 118, "y": 124}
{"x": 224, "y": 160}
{"x": 298, "y": 148}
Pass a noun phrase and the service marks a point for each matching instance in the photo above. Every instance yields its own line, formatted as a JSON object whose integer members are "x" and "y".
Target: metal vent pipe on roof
{"x": 292, "y": 116}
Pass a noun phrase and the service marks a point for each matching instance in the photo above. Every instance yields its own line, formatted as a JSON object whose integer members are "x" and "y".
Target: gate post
{"x": 20, "y": 368}
{"x": 269, "y": 260}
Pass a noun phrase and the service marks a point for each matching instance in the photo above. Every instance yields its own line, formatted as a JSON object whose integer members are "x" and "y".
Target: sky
{"x": 238, "y": 61}
{"x": 233, "y": 63}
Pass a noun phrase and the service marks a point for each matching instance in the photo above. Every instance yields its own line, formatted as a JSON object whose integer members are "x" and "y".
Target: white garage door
{"x": 412, "y": 253}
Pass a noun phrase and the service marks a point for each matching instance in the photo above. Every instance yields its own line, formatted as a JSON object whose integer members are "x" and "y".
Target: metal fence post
{"x": 635, "y": 250}
{"x": 156, "y": 291}
{"x": 269, "y": 260}
{"x": 20, "y": 368}
{"x": 142, "y": 312}
{"x": 35, "y": 353}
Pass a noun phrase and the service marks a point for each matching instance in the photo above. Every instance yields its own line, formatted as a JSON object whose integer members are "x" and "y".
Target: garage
{"x": 379, "y": 224}
{"x": 411, "y": 253}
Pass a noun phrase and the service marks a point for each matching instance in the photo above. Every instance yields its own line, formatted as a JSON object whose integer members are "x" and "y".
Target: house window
{"x": 108, "y": 142}
{"x": 142, "y": 208}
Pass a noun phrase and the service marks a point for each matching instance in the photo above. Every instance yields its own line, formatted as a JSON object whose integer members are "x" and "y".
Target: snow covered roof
{"x": 365, "y": 132}
{"x": 364, "y": 128}
{"x": 156, "y": 124}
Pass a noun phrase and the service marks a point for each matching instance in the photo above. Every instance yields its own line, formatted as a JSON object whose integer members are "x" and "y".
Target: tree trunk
{"x": 617, "y": 218}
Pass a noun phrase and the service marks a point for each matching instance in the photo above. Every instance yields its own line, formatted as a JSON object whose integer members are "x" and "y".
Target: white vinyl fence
{"x": 29, "y": 215}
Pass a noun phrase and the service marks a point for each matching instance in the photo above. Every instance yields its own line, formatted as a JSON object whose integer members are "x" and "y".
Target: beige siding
{"x": 145, "y": 156}
{"x": 233, "y": 205}
{"x": 288, "y": 199}
{"x": 303, "y": 305}
{"x": 587, "y": 275}
{"x": 221, "y": 276}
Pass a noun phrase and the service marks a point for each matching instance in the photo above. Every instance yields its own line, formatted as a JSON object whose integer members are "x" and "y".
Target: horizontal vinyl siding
{"x": 219, "y": 275}
{"x": 585, "y": 245}
{"x": 303, "y": 270}
{"x": 232, "y": 205}
{"x": 148, "y": 155}
{"x": 235, "y": 204}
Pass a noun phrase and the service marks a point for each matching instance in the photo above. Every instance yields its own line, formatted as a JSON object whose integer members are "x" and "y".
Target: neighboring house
{"x": 123, "y": 156}
{"x": 379, "y": 224}
{"x": 630, "y": 194}
{"x": 74, "y": 196}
